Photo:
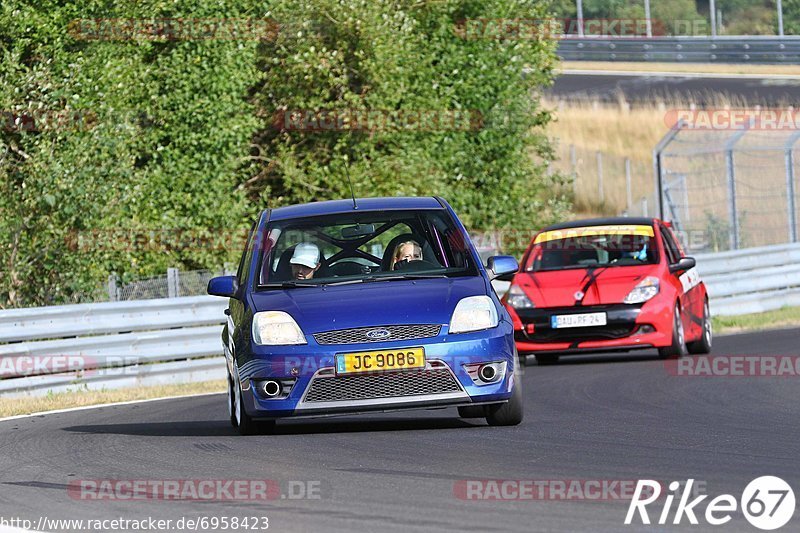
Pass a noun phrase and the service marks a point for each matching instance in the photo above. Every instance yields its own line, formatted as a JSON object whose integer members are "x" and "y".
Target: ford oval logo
{"x": 377, "y": 334}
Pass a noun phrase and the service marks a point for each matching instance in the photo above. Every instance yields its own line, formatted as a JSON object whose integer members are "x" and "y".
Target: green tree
{"x": 405, "y": 56}
{"x": 791, "y": 17}
{"x": 177, "y": 134}
{"x": 168, "y": 131}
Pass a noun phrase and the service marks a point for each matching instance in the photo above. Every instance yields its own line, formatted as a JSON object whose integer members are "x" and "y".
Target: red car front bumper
{"x": 636, "y": 326}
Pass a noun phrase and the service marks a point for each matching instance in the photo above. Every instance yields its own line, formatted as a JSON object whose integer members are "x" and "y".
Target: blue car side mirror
{"x": 223, "y": 286}
{"x": 501, "y": 266}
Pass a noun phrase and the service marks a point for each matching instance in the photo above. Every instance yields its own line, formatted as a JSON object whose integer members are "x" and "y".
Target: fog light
{"x": 270, "y": 388}
{"x": 646, "y": 329}
{"x": 485, "y": 373}
{"x": 274, "y": 389}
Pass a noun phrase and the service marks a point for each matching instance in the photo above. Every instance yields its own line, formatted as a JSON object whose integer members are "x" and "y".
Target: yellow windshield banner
{"x": 591, "y": 231}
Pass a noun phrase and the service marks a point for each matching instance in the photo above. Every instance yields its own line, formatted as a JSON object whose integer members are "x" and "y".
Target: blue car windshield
{"x": 363, "y": 246}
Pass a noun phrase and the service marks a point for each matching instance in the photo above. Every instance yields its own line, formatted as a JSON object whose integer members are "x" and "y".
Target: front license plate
{"x": 379, "y": 361}
{"x": 578, "y": 321}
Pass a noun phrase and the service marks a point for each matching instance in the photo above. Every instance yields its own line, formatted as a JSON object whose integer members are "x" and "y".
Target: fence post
{"x": 112, "y": 288}
{"x": 792, "y": 209}
{"x": 658, "y": 164}
{"x": 730, "y": 174}
{"x": 172, "y": 283}
{"x": 628, "y": 186}
{"x": 730, "y": 171}
{"x": 573, "y": 159}
{"x": 600, "y": 191}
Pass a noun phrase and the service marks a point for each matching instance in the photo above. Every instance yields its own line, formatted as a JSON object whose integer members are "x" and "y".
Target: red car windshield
{"x": 589, "y": 249}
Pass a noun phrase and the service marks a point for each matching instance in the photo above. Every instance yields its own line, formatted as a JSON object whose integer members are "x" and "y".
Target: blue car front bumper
{"x": 316, "y": 390}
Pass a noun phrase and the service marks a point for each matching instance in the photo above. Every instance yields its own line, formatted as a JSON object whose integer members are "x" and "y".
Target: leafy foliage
{"x": 176, "y": 141}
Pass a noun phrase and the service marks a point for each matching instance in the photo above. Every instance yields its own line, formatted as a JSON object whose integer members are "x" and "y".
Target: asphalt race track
{"x": 622, "y": 417}
{"x": 650, "y": 88}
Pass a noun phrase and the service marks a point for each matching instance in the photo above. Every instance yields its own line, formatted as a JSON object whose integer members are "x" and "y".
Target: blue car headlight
{"x": 473, "y": 313}
{"x": 276, "y": 328}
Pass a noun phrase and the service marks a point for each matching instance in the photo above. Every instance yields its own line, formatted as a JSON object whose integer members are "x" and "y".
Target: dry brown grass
{"x": 619, "y": 130}
{"x": 613, "y": 129}
{"x": 81, "y": 398}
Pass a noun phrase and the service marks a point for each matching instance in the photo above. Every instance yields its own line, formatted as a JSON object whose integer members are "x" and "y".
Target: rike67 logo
{"x": 767, "y": 503}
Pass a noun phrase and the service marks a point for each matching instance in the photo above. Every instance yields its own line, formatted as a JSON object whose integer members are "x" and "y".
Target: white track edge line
{"x": 111, "y": 404}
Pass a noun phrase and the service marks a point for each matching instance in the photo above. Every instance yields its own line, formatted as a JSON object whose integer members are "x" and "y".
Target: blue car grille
{"x": 395, "y": 333}
{"x": 384, "y": 385}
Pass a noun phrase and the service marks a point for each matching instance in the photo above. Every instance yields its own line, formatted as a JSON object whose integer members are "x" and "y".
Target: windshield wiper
{"x": 287, "y": 285}
{"x": 405, "y": 276}
{"x": 344, "y": 282}
{"x": 385, "y": 278}
{"x": 293, "y": 284}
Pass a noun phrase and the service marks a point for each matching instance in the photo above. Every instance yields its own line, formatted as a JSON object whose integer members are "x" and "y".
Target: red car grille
{"x": 594, "y": 333}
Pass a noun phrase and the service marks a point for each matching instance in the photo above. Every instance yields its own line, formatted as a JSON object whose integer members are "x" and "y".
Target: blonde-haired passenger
{"x": 406, "y": 251}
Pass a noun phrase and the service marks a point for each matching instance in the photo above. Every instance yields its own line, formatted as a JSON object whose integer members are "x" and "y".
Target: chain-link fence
{"x": 608, "y": 184}
{"x": 730, "y": 189}
{"x": 174, "y": 284}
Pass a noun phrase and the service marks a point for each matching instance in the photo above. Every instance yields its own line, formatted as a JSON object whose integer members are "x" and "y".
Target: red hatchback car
{"x": 602, "y": 285}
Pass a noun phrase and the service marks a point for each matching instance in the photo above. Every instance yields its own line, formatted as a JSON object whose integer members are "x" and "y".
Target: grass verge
{"x": 81, "y": 398}
{"x": 698, "y": 68}
{"x": 784, "y": 317}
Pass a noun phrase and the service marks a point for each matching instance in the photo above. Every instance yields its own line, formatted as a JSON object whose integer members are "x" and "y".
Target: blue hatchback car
{"x": 376, "y": 304}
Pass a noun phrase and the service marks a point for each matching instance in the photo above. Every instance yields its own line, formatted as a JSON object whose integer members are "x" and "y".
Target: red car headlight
{"x": 518, "y": 299}
{"x": 643, "y": 291}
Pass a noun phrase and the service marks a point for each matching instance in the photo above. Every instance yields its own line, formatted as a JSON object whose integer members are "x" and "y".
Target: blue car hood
{"x": 425, "y": 301}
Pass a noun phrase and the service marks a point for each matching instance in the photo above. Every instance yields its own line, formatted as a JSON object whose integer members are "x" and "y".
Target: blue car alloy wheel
{"x": 346, "y": 307}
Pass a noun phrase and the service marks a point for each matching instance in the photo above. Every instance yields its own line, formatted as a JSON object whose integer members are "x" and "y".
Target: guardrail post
{"x": 600, "y": 191}
{"x": 173, "y": 287}
{"x": 112, "y": 288}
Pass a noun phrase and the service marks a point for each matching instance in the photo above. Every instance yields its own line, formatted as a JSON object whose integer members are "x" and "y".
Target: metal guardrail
{"x": 739, "y": 49}
{"x": 177, "y": 340}
{"x": 111, "y": 345}
{"x": 752, "y": 280}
